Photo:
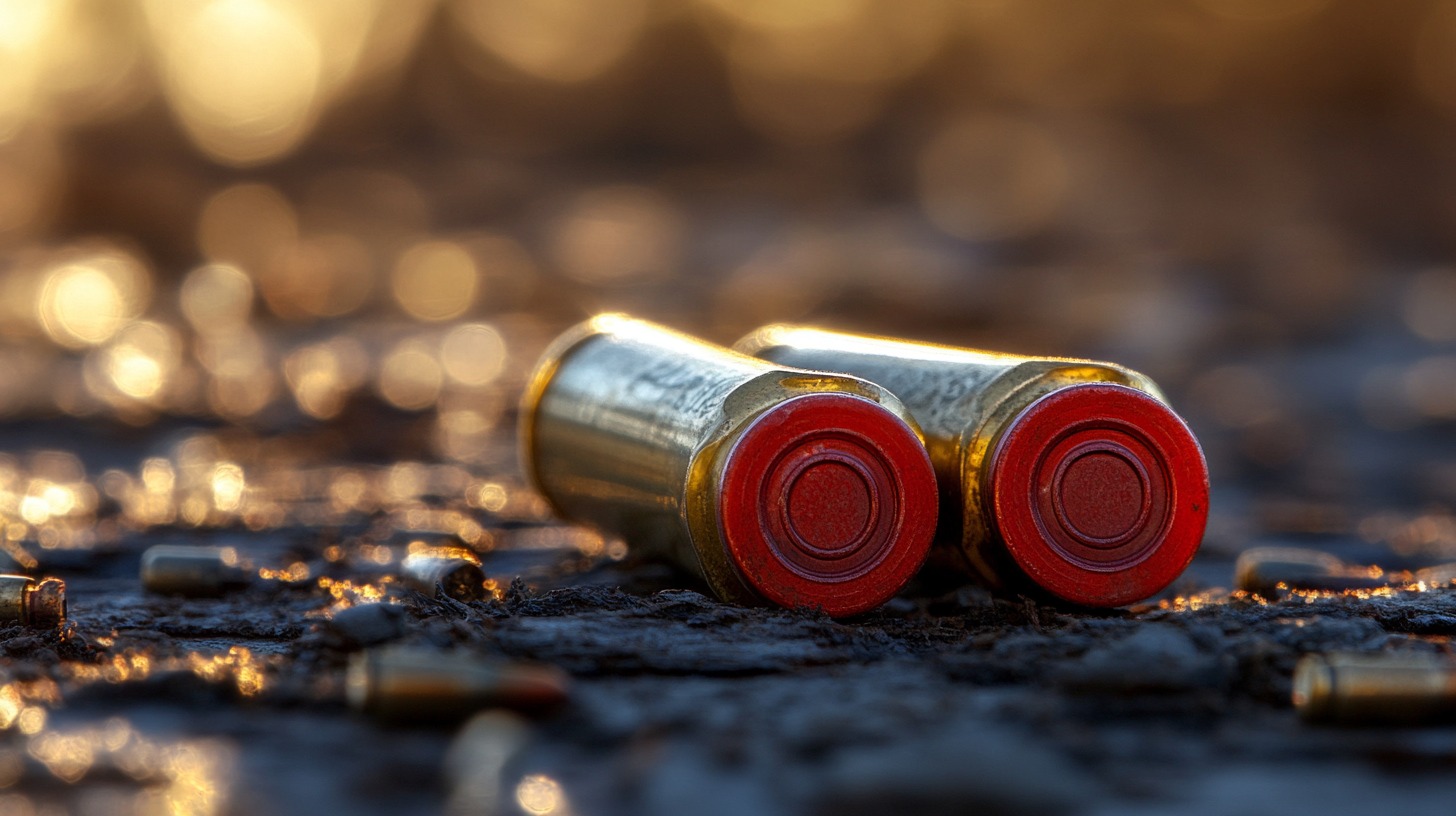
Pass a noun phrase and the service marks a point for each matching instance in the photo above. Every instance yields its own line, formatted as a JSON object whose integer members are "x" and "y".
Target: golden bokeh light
{"x": 540, "y": 795}
{"x": 342, "y": 31}
{"x": 394, "y": 29}
{"x": 473, "y": 354}
{"x": 557, "y": 40}
{"x": 216, "y": 297}
{"x": 193, "y": 777}
{"x": 95, "y": 71}
{"x": 435, "y": 280}
{"x": 988, "y": 177}
{"x": 142, "y": 359}
{"x": 228, "y": 484}
{"x": 619, "y": 235}
{"x": 240, "y": 364}
{"x": 81, "y": 306}
{"x": 809, "y": 72}
{"x": 26, "y": 30}
{"x": 463, "y": 429}
{"x": 73, "y": 61}
{"x": 323, "y": 375}
{"x": 410, "y": 376}
{"x": 243, "y": 76}
{"x": 85, "y": 300}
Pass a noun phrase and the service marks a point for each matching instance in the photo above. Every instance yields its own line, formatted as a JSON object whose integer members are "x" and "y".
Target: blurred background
{"x": 268, "y": 215}
{"x": 273, "y": 273}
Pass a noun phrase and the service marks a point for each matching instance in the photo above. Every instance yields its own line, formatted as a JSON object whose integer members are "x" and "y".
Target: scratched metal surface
{"x": 291, "y": 310}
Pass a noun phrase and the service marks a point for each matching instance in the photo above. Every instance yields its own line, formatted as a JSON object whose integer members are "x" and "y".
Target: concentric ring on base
{"x": 1100, "y": 493}
{"x": 827, "y": 500}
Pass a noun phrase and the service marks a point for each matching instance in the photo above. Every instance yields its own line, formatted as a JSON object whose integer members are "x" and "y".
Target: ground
{"x": 946, "y": 700}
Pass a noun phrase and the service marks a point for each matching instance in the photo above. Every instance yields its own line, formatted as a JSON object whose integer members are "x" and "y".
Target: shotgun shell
{"x": 459, "y": 578}
{"x": 1071, "y": 475}
{"x": 410, "y": 683}
{"x": 192, "y": 572}
{"x": 773, "y": 484}
{"x": 38, "y": 604}
{"x": 1346, "y": 687}
{"x": 1263, "y": 570}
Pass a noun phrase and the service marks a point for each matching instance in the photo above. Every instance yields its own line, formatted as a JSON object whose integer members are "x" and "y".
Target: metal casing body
{"x": 1380, "y": 688}
{"x": 458, "y": 578}
{"x": 419, "y": 684}
{"x": 39, "y": 604}
{"x": 629, "y": 426}
{"x": 968, "y": 403}
{"x": 191, "y": 572}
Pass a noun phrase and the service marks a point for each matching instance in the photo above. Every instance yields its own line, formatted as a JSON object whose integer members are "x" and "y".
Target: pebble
{"x": 367, "y": 624}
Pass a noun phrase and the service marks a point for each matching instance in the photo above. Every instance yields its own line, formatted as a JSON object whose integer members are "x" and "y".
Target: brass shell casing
{"x": 986, "y": 413}
{"x": 634, "y": 428}
{"x": 1350, "y": 687}
{"x": 39, "y": 604}
{"x": 409, "y": 683}
{"x": 459, "y": 578}
{"x": 191, "y": 572}
{"x": 1263, "y": 570}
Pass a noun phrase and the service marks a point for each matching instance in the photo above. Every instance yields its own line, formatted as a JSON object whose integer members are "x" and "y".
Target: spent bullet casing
{"x": 1263, "y": 570}
{"x": 458, "y": 578}
{"x": 1071, "y": 476}
{"x": 1357, "y": 688}
{"x": 408, "y": 683}
{"x": 773, "y": 484}
{"x": 192, "y": 572}
{"x": 39, "y": 604}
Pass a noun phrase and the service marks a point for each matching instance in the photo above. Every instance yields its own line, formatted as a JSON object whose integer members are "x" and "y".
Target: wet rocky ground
{"x": 946, "y": 700}
{"x": 951, "y": 703}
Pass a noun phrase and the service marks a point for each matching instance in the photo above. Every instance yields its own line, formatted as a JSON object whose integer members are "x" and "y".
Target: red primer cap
{"x": 1100, "y": 492}
{"x": 827, "y": 500}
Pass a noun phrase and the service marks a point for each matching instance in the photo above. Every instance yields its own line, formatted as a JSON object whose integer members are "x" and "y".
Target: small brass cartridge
{"x": 39, "y": 604}
{"x": 773, "y": 484}
{"x": 410, "y": 683}
{"x": 1069, "y": 475}
{"x": 457, "y": 577}
{"x": 1262, "y": 570}
{"x": 192, "y": 572}
{"x": 1349, "y": 687}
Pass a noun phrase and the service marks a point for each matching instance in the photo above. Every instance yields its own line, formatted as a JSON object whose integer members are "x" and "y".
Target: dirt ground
{"x": 947, "y": 700}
